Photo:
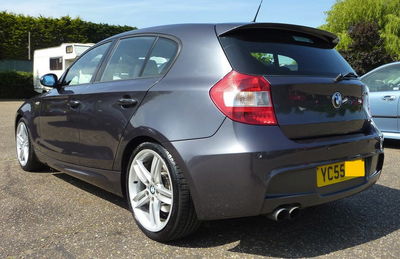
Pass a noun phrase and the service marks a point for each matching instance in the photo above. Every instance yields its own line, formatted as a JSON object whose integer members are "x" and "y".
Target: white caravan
{"x": 55, "y": 60}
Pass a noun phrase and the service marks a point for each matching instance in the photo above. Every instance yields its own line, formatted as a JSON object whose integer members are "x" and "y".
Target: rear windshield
{"x": 277, "y": 52}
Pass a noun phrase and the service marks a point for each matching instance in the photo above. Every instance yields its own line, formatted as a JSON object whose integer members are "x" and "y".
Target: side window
{"x": 128, "y": 58}
{"x": 161, "y": 57}
{"x": 83, "y": 70}
{"x": 56, "y": 63}
{"x": 385, "y": 79}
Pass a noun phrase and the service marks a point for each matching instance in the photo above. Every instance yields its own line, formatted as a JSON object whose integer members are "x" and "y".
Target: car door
{"x": 59, "y": 125}
{"x": 107, "y": 105}
{"x": 384, "y": 86}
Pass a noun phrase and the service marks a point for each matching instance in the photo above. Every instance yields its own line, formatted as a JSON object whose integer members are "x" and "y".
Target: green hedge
{"x": 16, "y": 85}
{"x": 48, "y": 32}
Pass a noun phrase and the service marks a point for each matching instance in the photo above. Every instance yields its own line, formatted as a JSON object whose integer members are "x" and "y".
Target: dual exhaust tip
{"x": 282, "y": 213}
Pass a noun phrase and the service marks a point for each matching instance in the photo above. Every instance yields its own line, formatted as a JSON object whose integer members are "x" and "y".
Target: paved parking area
{"x": 56, "y": 216}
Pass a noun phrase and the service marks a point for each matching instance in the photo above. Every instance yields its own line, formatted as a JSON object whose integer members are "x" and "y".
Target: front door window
{"x": 83, "y": 70}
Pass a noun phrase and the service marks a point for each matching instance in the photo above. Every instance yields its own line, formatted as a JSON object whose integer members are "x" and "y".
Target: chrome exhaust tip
{"x": 294, "y": 212}
{"x": 279, "y": 214}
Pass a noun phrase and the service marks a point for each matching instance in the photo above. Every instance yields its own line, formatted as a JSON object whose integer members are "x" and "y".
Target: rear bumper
{"x": 246, "y": 170}
{"x": 314, "y": 195}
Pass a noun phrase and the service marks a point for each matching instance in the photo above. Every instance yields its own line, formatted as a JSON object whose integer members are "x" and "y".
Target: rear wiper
{"x": 347, "y": 76}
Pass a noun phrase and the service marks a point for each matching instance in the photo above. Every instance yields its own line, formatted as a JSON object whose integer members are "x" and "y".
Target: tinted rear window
{"x": 277, "y": 52}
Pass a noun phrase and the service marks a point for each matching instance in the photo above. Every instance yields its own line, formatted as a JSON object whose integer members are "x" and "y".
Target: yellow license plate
{"x": 339, "y": 172}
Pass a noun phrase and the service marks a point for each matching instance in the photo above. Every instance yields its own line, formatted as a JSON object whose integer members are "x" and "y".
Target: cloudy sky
{"x": 145, "y": 13}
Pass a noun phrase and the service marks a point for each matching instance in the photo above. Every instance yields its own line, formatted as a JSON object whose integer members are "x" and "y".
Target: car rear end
{"x": 296, "y": 133}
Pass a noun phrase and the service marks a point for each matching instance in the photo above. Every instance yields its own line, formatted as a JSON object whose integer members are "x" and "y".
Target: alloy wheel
{"x": 150, "y": 190}
{"x": 22, "y": 139}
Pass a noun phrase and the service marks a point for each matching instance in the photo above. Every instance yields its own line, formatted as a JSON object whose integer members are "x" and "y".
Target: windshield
{"x": 277, "y": 52}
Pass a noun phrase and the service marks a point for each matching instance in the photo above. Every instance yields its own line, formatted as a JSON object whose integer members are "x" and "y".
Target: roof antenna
{"x": 255, "y": 17}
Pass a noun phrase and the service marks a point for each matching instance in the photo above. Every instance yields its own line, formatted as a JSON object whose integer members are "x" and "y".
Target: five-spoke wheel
{"x": 158, "y": 194}
{"x": 25, "y": 153}
{"x": 22, "y": 139}
{"x": 150, "y": 189}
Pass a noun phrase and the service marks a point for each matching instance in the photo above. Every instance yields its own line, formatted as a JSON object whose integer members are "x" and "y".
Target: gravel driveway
{"x": 53, "y": 215}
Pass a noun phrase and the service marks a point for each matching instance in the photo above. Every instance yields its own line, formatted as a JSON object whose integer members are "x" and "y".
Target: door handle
{"x": 74, "y": 104}
{"x": 389, "y": 98}
{"x": 127, "y": 102}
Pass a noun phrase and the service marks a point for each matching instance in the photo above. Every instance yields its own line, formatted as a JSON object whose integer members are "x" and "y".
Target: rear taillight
{"x": 244, "y": 98}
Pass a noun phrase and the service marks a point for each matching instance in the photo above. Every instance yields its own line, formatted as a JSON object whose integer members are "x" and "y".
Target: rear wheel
{"x": 25, "y": 152}
{"x": 158, "y": 194}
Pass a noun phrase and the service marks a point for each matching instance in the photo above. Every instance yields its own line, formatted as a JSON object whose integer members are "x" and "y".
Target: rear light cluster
{"x": 244, "y": 98}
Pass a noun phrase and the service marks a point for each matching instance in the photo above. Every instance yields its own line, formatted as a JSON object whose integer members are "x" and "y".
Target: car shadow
{"x": 121, "y": 202}
{"x": 391, "y": 143}
{"x": 318, "y": 230}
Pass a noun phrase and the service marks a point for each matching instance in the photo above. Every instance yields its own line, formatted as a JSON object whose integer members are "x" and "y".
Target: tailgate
{"x": 316, "y": 106}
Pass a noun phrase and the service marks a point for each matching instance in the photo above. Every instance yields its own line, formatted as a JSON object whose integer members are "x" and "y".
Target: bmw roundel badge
{"x": 337, "y": 100}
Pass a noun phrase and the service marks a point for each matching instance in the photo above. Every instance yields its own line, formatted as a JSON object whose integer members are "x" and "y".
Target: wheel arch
{"x": 29, "y": 111}
{"x": 128, "y": 146}
{"x": 17, "y": 118}
{"x": 126, "y": 154}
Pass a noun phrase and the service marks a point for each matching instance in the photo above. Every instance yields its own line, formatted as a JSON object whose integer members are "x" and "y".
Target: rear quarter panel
{"x": 179, "y": 107}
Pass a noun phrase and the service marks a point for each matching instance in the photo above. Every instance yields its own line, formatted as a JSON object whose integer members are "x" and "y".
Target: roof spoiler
{"x": 328, "y": 37}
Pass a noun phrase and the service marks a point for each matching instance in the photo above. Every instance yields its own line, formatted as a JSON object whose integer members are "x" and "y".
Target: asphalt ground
{"x": 52, "y": 215}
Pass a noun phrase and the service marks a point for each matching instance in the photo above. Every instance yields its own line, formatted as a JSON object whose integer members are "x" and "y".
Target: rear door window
{"x": 128, "y": 59}
{"x": 161, "y": 57}
{"x": 278, "y": 52}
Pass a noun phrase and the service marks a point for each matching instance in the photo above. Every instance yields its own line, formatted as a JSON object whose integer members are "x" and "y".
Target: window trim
{"x": 146, "y": 59}
{"x": 156, "y": 36}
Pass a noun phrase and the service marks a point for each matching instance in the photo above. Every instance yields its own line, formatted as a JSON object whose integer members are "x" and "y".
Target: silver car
{"x": 384, "y": 86}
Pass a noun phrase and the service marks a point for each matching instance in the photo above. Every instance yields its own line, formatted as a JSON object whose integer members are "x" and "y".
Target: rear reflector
{"x": 244, "y": 98}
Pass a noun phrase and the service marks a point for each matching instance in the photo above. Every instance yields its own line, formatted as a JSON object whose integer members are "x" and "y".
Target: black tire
{"x": 183, "y": 219}
{"x": 33, "y": 164}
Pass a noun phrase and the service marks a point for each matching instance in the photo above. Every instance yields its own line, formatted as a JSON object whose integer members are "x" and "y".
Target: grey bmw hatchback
{"x": 198, "y": 122}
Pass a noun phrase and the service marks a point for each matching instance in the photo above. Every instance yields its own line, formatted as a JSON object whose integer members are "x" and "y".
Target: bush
{"x": 16, "y": 85}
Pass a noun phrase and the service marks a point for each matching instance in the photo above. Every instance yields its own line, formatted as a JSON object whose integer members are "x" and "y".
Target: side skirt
{"x": 105, "y": 179}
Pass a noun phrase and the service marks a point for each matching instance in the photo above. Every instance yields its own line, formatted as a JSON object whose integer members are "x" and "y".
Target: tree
{"x": 385, "y": 14}
{"x": 366, "y": 51}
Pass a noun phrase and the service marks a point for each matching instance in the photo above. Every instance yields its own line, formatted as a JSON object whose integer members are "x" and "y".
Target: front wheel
{"x": 25, "y": 152}
{"x": 158, "y": 194}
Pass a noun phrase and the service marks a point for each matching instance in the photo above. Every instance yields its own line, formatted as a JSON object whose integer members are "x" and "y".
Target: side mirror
{"x": 49, "y": 80}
